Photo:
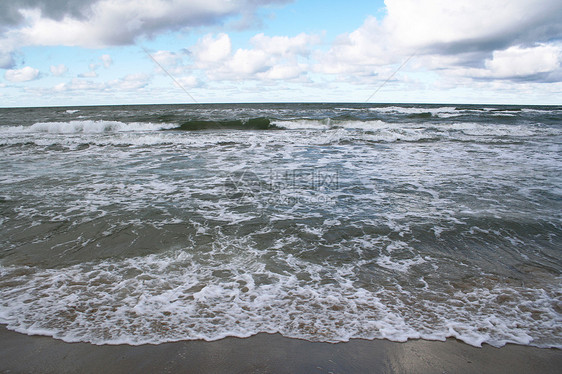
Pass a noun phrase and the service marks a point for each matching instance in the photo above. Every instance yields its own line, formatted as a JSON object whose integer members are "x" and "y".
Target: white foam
{"x": 388, "y": 262}
{"x": 439, "y": 111}
{"x": 306, "y": 132}
{"x": 541, "y": 111}
{"x": 303, "y": 124}
{"x": 87, "y": 126}
{"x": 180, "y": 295}
{"x": 478, "y": 129}
{"x": 329, "y": 132}
{"x": 364, "y": 125}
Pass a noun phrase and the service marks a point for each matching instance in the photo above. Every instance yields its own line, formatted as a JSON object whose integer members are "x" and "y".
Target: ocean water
{"x": 326, "y": 222}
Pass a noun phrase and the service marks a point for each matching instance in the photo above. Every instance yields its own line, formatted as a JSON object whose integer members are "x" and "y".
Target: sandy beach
{"x": 266, "y": 353}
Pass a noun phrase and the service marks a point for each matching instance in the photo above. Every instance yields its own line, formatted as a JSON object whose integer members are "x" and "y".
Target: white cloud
{"x": 107, "y": 22}
{"x": 88, "y": 74}
{"x": 167, "y": 58}
{"x": 102, "y": 23}
{"x": 21, "y": 75}
{"x": 189, "y": 81}
{"x": 130, "y": 82}
{"x": 106, "y": 60}
{"x": 77, "y": 84}
{"x": 248, "y": 62}
{"x": 540, "y": 64}
{"x": 271, "y": 58}
{"x": 282, "y": 72}
{"x": 210, "y": 49}
{"x": 172, "y": 62}
{"x": 464, "y": 37}
{"x": 517, "y": 61}
{"x": 58, "y": 70}
{"x": 284, "y": 45}
{"x": 368, "y": 46}
{"x": 60, "y": 87}
{"x": 91, "y": 73}
{"x": 480, "y": 24}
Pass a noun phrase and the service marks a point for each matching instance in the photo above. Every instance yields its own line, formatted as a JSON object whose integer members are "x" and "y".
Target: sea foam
{"x": 85, "y": 126}
{"x": 184, "y": 296}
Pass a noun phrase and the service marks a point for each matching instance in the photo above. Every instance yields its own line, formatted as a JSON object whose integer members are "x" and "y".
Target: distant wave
{"x": 420, "y": 115}
{"x": 74, "y": 134}
{"x": 88, "y": 126}
{"x": 237, "y": 124}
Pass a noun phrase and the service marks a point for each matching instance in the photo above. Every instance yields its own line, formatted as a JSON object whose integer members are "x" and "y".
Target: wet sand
{"x": 265, "y": 353}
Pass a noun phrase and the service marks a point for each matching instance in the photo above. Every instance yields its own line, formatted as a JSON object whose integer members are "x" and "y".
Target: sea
{"x": 317, "y": 221}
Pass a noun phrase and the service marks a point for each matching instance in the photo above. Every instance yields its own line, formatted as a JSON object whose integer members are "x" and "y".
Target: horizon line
{"x": 279, "y": 102}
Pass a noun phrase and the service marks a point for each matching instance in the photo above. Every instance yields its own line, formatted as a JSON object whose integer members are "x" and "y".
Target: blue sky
{"x": 93, "y": 52}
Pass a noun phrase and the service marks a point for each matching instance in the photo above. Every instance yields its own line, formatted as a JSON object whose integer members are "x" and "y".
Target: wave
{"x": 237, "y": 124}
{"x": 421, "y": 115}
{"x": 506, "y": 110}
{"x": 183, "y": 296}
{"x": 425, "y": 111}
{"x": 311, "y": 131}
{"x": 304, "y": 124}
{"x": 87, "y": 126}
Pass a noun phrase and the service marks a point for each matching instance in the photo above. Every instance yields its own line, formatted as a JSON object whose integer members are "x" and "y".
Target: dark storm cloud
{"x": 98, "y": 23}
{"x": 171, "y": 15}
{"x": 543, "y": 26}
{"x": 10, "y": 14}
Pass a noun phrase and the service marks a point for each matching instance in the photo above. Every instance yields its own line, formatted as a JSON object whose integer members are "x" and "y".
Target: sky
{"x": 99, "y": 52}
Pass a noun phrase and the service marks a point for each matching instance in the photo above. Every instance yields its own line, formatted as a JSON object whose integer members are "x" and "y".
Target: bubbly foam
{"x": 86, "y": 127}
{"x": 359, "y": 224}
{"x": 437, "y": 111}
{"x": 76, "y": 134}
{"x": 231, "y": 291}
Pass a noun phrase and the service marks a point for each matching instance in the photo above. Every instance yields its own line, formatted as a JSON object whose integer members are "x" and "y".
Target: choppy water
{"x": 319, "y": 221}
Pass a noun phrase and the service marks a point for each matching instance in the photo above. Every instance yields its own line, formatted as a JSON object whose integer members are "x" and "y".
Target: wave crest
{"x": 260, "y": 123}
{"x": 88, "y": 126}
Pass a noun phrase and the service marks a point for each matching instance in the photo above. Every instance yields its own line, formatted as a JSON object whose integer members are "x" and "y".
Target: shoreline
{"x": 270, "y": 353}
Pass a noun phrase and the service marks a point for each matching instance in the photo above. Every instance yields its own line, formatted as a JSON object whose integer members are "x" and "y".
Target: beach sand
{"x": 266, "y": 353}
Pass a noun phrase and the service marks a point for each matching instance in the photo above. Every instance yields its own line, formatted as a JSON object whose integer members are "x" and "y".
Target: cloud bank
{"x": 453, "y": 34}
{"x": 102, "y": 23}
{"x": 461, "y": 42}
